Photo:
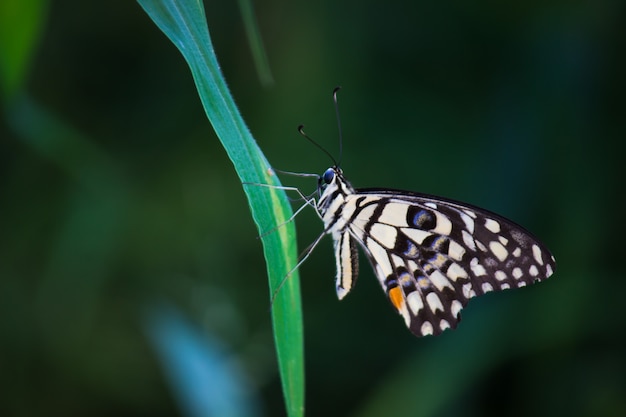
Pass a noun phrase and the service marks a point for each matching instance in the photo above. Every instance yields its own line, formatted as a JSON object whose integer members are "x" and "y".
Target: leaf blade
{"x": 184, "y": 23}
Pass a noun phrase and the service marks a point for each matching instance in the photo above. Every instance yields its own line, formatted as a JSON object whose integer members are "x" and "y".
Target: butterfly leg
{"x": 309, "y": 202}
{"x": 303, "y": 257}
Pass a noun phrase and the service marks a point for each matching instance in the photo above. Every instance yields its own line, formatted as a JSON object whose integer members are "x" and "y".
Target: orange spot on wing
{"x": 395, "y": 295}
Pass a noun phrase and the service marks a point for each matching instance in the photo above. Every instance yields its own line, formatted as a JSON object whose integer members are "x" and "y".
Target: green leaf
{"x": 184, "y": 23}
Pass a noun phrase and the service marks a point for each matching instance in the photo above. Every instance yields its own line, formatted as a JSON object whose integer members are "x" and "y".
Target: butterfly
{"x": 431, "y": 255}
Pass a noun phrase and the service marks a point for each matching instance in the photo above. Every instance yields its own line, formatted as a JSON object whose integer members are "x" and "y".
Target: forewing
{"x": 431, "y": 255}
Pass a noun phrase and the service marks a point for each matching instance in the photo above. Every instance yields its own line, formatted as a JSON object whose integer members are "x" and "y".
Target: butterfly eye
{"x": 328, "y": 175}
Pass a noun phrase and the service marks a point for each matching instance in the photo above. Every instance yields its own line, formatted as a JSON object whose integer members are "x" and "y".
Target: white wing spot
{"x": 549, "y": 270}
{"x": 505, "y": 286}
{"x": 443, "y": 225}
{"x": 500, "y": 275}
{"x": 455, "y": 308}
{"x": 469, "y": 222}
{"x": 427, "y": 328}
{"x": 477, "y": 268}
{"x": 405, "y": 315}
{"x": 431, "y": 205}
{"x": 521, "y": 284}
{"x": 503, "y": 240}
{"x": 394, "y": 214}
{"x": 456, "y": 251}
{"x": 434, "y": 302}
{"x": 517, "y": 252}
{"x": 481, "y": 246}
{"x": 456, "y": 271}
{"x": 414, "y": 300}
{"x": 397, "y": 261}
{"x": 468, "y": 239}
{"x": 468, "y": 292}
{"x": 499, "y": 250}
{"x": 533, "y": 271}
{"x": 517, "y": 273}
{"x": 443, "y": 324}
{"x": 384, "y": 234}
{"x": 492, "y": 225}
{"x": 382, "y": 263}
{"x": 537, "y": 254}
{"x": 439, "y": 281}
{"x": 486, "y": 287}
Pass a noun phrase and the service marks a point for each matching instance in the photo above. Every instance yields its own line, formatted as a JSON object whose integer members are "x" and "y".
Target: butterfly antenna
{"x": 338, "y": 123}
{"x": 301, "y": 130}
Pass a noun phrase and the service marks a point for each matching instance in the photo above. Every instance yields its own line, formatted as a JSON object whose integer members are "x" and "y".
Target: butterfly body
{"x": 431, "y": 255}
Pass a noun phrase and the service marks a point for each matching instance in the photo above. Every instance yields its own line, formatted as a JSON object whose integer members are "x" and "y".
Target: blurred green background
{"x": 124, "y": 229}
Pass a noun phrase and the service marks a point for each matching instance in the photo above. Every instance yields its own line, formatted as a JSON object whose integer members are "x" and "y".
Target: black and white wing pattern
{"x": 431, "y": 255}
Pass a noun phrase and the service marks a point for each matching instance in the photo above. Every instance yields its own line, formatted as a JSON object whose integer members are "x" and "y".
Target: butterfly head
{"x": 332, "y": 186}
{"x": 331, "y": 176}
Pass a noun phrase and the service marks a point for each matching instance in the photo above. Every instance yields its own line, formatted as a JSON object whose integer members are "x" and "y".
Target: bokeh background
{"x": 126, "y": 239}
